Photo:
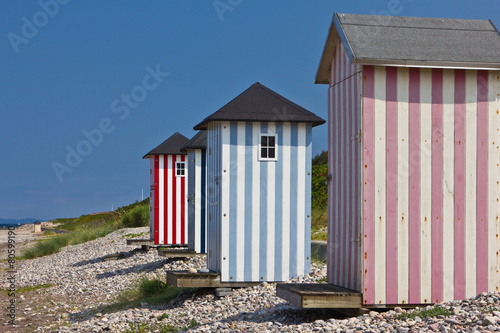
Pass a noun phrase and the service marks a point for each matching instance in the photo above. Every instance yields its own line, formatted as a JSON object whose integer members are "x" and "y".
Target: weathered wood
{"x": 184, "y": 279}
{"x": 140, "y": 242}
{"x": 319, "y": 295}
{"x": 178, "y": 253}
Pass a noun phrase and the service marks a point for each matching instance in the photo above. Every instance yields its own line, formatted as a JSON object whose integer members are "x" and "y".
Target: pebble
{"x": 81, "y": 269}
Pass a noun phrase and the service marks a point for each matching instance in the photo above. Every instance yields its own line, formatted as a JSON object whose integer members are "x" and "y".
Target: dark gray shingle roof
{"x": 413, "y": 41}
{"x": 171, "y": 146}
{"x": 259, "y": 103}
{"x": 199, "y": 141}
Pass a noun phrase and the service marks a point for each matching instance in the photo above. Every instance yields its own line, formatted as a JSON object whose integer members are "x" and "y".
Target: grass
{"x": 30, "y": 288}
{"x": 161, "y": 328}
{"x": 319, "y": 221}
{"x": 87, "y": 220}
{"x": 49, "y": 232}
{"x": 436, "y": 311}
{"x": 89, "y": 227}
{"x": 134, "y": 235}
{"x": 144, "y": 290}
{"x": 488, "y": 309}
{"x": 83, "y": 234}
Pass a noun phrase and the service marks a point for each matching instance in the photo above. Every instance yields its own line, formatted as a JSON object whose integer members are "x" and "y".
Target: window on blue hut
{"x": 180, "y": 169}
{"x": 268, "y": 148}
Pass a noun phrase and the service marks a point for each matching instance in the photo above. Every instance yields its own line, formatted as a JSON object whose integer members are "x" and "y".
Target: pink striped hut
{"x": 413, "y": 158}
{"x": 168, "y": 192}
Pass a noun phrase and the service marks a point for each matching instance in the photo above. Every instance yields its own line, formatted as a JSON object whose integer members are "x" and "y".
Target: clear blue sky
{"x": 68, "y": 68}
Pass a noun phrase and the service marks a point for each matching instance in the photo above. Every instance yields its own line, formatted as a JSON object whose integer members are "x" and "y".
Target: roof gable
{"x": 412, "y": 42}
{"x": 259, "y": 103}
{"x": 171, "y": 146}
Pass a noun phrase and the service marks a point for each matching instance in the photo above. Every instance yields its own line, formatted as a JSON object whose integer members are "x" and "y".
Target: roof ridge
{"x": 416, "y": 27}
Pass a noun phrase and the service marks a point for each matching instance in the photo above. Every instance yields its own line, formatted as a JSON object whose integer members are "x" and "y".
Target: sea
{"x": 5, "y": 223}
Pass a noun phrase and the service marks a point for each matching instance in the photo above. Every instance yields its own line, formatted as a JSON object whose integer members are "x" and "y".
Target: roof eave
{"x": 323, "y": 73}
{"x": 320, "y": 121}
{"x": 428, "y": 64}
{"x": 335, "y": 33}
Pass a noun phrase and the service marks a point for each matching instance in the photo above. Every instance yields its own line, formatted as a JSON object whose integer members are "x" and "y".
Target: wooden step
{"x": 319, "y": 295}
{"x": 184, "y": 279}
{"x": 178, "y": 253}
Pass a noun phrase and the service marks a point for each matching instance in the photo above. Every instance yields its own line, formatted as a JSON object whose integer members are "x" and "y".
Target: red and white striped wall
{"x": 428, "y": 159}
{"x": 169, "y": 201}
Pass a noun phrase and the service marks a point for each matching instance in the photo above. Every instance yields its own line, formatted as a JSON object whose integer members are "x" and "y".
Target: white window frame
{"x": 265, "y": 159}
{"x": 183, "y": 169}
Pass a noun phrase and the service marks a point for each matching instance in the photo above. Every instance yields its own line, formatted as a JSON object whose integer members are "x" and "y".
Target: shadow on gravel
{"x": 143, "y": 268}
{"x": 114, "y": 256}
{"x": 286, "y": 315}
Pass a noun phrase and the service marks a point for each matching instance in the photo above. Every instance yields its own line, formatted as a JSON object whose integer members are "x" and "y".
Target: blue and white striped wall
{"x": 197, "y": 222}
{"x": 259, "y": 211}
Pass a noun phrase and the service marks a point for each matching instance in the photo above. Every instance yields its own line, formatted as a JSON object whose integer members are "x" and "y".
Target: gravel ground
{"x": 82, "y": 281}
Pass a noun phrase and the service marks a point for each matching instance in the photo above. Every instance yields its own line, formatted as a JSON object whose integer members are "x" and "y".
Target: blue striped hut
{"x": 259, "y": 148}
{"x": 196, "y": 149}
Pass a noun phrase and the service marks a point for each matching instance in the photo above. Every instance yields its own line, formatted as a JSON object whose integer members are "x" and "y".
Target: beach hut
{"x": 168, "y": 192}
{"x": 196, "y": 150}
{"x": 259, "y": 187}
{"x": 413, "y": 214}
{"x": 37, "y": 225}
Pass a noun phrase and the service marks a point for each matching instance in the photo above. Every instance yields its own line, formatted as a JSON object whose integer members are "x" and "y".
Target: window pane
{"x": 263, "y": 152}
{"x": 271, "y": 141}
{"x": 263, "y": 141}
{"x": 271, "y": 153}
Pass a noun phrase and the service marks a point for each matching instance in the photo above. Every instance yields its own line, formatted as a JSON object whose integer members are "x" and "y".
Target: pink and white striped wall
{"x": 414, "y": 204}
{"x": 169, "y": 205}
{"x": 344, "y": 206}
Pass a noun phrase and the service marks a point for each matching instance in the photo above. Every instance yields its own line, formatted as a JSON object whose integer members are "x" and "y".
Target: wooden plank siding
{"x": 263, "y": 208}
{"x": 168, "y": 201}
{"x": 430, "y": 165}
{"x": 197, "y": 222}
{"x": 344, "y": 205}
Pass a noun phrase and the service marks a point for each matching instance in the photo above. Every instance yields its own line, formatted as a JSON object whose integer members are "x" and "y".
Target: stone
{"x": 489, "y": 321}
{"x": 434, "y": 326}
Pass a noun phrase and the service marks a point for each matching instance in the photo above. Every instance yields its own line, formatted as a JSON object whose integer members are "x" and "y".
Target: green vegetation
{"x": 161, "y": 317}
{"x": 87, "y": 220}
{"x": 319, "y": 197}
{"x": 160, "y": 328}
{"x": 87, "y": 228}
{"x": 30, "y": 288}
{"x": 134, "y": 235}
{"x": 80, "y": 235}
{"x": 144, "y": 290}
{"x": 136, "y": 217}
{"x": 320, "y": 159}
{"x": 488, "y": 309}
{"x": 436, "y": 311}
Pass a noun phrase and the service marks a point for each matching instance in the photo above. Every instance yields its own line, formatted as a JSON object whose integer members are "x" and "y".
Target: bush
{"x": 319, "y": 188}
{"x": 137, "y": 217}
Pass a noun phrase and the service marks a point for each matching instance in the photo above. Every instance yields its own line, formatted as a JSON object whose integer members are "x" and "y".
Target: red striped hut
{"x": 413, "y": 157}
{"x": 168, "y": 192}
